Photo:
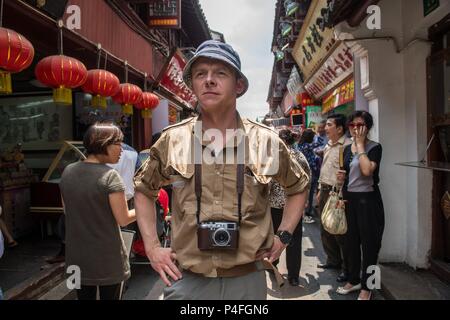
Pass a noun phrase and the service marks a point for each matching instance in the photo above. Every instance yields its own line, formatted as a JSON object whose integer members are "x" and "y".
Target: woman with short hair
{"x": 364, "y": 208}
{"x": 95, "y": 206}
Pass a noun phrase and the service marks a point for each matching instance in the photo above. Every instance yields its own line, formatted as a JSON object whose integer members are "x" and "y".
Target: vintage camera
{"x": 218, "y": 235}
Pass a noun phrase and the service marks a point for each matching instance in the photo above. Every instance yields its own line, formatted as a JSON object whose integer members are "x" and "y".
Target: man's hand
{"x": 340, "y": 175}
{"x": 163, "y": 261}
{"x": 273, "y": 253}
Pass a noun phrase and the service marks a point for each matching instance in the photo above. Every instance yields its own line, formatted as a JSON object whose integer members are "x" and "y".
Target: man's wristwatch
{"x": 285, "y": 236}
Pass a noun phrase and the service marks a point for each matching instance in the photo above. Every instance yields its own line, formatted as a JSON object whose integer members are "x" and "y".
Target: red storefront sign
{"x": 171, "y": 79}
{"x": 339, "y": 96}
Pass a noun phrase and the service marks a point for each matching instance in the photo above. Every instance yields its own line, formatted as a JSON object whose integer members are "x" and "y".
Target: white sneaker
{"x": 308, "y": 219}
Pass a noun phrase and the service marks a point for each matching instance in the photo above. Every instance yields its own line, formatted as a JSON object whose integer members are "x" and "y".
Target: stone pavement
{"x": 315, "y": 283}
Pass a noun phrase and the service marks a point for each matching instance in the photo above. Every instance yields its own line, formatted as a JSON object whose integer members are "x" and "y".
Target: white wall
{"x": 160, "y": 116}
{"x": 397, "y": 100}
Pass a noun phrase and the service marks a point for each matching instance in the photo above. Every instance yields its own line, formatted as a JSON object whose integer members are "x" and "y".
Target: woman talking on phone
{"x": 364, "y": 207}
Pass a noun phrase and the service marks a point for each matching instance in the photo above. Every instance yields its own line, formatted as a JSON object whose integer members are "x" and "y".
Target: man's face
{"x": 321, "y": 129}
{"x": 333, "y": 132}
{"x": 215, "y": 84}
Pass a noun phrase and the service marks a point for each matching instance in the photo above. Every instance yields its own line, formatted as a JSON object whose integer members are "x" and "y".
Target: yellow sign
{"x": 313, "y": 44}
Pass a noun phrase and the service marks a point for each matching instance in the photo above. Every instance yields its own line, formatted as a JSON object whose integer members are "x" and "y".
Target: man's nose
{"x": 210, "y": 79}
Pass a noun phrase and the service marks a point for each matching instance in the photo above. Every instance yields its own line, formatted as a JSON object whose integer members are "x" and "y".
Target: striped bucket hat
{"x": 215, "y": 50}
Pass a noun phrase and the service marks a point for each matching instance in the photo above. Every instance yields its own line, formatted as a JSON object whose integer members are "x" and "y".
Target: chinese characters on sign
{"x": 313, "y": 44}
{"x": 165, "y": 14}
{"x": 337, "y": 67}
{"x": 340, "y": 96}
{"x": 172, "y": 80}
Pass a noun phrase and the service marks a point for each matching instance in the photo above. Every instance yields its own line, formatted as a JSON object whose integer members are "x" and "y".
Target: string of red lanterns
{"x": 63, "y": 73}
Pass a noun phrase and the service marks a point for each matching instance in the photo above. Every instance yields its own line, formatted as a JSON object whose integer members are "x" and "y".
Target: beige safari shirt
{"x": 170, "y": 162}
{"x": 330, "y": 164}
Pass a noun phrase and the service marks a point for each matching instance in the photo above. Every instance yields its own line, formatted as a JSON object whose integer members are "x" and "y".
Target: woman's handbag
{"x": 333, "y": 214}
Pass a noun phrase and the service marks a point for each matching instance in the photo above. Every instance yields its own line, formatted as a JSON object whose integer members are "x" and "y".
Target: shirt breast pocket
{"x": 182, "y": 189}
{"x": 255, "y": 197}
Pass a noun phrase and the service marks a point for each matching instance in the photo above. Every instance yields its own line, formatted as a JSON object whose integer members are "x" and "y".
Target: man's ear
{"x": 240, "y": 86}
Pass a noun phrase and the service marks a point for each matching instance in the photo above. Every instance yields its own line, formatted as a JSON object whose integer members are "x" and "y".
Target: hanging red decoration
{"x": 63, "y": 74}
{"x": 149, "y": 102}
{"x": 16, "y": 54}
{"x": 128, "y": 95}
{"x": 101, "y": 84}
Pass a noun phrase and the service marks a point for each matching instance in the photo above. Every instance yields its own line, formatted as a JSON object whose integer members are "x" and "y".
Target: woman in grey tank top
{"x": 364, "y": 207}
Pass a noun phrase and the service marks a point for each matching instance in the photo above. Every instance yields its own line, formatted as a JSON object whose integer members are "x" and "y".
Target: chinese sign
{"x": 336, "y": 68}
{"x": 165, "y": 14}
{"x": 313, "y": 116}
{"x": 171, "y": 79}
{"x": 340, "y": 96}
{"x": 313, "y": 44}
{"x": 429, "y": 6}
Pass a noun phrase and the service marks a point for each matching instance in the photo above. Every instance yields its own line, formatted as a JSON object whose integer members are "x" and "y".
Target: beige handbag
{"x": 333, "y": 214}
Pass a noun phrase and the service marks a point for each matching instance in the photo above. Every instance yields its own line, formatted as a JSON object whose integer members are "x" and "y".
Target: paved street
{"x": 315, "y": 284}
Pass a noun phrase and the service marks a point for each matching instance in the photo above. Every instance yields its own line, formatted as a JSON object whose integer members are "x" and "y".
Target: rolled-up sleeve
{"x": 293, "y": 176}
{"x": 151, "y": 177}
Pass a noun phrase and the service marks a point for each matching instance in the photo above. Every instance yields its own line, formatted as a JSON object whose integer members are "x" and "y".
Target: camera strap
{"x": 239, "y": 184}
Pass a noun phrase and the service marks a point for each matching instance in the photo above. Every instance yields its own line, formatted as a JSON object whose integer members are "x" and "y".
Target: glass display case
{"x": 45, "y": 195}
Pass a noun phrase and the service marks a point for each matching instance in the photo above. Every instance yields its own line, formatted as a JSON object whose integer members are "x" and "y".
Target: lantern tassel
{"x": 62, "y": 95}
{"x": 146, "y": 113}
{"x": 127, "y": 109}
{"x": 5, "y": 82}
{"x": 99, "y": 102}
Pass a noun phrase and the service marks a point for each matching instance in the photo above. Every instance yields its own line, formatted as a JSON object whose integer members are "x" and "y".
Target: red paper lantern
{"x": 101, "y": 84}
{"x": 16, "y": 54}
{"x": 128, "y": 95}
{"x": 149, "y": 102}
{"x": 63, "y": 74}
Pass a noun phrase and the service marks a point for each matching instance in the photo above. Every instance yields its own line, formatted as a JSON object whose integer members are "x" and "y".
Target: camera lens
{"x": 221, "y": 237}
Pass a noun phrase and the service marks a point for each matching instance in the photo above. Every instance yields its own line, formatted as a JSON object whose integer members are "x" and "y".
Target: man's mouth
{"x": 209, "y": 92}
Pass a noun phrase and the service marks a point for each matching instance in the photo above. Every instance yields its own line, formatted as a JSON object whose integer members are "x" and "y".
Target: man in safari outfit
{"x": 222, "y": 234}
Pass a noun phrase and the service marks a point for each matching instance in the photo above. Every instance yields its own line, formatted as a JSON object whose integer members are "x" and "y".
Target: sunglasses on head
{"x": 356, "y": 125}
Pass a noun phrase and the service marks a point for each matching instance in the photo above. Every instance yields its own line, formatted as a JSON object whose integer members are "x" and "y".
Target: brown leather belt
{"x": 244, "y": 269}
{"x": 238, "y": 271}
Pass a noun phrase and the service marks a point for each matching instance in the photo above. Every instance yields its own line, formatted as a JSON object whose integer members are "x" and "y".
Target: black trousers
{"x": 332, "y": 244}
{"x": 365, "y": 226}
{"x": 294, "y": 249}
{"x": 112, "y": 292}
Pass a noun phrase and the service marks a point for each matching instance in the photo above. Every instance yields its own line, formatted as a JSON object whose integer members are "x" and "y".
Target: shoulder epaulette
{"x": 185, "y": 121}
{"x": 262, "y": 125}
